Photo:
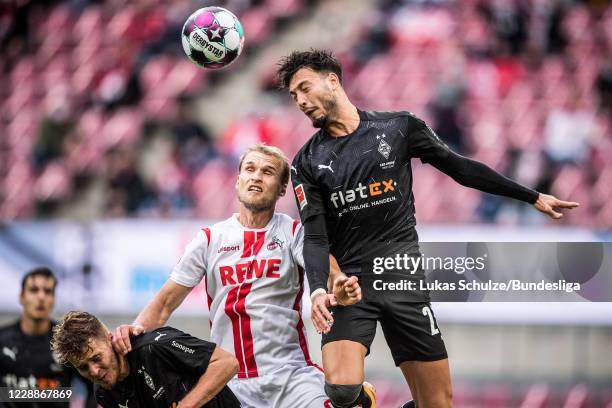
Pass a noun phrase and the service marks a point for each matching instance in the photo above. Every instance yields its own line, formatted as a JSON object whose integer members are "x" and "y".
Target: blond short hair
{"x": 271, "y": 151}
{"x": 73, "y": 333}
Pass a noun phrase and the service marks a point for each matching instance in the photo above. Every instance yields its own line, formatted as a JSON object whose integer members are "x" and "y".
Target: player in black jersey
{"x": 166, "y": 367}
{"x": 353, "y": 185}
{"x": 26, "y": 360}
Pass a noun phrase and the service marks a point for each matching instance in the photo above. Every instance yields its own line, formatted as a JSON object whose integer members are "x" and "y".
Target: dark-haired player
{"x": 353, "y": 184}
{"x": 166, "y": 367}
{"x": 26, "y": 360}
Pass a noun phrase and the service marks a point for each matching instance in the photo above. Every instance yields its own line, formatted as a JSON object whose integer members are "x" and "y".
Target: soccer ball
{"x": 212, "y": 37}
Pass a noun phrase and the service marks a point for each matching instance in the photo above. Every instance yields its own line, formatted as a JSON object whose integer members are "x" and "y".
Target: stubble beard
{"x": 331, "y": 107}
{"x": 259, "y": 206}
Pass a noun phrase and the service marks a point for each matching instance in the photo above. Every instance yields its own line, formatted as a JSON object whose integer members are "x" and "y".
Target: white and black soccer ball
{"x": 212, "y": 37}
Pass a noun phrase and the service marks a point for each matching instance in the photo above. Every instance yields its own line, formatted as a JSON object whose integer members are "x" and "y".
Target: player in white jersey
{"x": 252, "y": 265}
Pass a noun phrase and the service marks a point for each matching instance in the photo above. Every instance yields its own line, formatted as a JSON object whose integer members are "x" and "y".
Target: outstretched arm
{"x": 426, "y": 145}
{"x": 187, "y": 273}
{"x": 471, "y": 173}
{"x": 155, "y": 314}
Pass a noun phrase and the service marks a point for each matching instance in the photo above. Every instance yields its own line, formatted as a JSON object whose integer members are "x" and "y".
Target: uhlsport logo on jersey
{"x": 230, "y": 248}
{"x": 374, "y": 189}
{"x": 301, "y": 196}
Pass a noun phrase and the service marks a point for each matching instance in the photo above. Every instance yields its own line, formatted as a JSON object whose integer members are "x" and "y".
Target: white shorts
{"x": 288, "y": 387}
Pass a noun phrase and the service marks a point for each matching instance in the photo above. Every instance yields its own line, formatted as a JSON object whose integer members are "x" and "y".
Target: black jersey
{"x": 362, "y": 183}
{"x": 165, "y": 365}
{"x": 28, "y": 362}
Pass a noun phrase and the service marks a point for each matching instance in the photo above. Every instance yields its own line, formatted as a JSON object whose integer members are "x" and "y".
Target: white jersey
{"x": 254, "y": 281}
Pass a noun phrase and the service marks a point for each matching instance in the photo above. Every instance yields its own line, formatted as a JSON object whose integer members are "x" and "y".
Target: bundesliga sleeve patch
{"x": 301, "y": 196}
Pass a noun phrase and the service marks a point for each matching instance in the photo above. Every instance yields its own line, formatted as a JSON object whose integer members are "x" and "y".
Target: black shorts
{"x": 410, "y": 329}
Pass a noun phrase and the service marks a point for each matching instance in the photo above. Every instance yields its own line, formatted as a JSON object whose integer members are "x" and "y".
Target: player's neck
{"x": 255, "y": 220}
{"x": 32, "y": 327}
{"x": 124, "y": 368}
{"x": 346, "y": 120}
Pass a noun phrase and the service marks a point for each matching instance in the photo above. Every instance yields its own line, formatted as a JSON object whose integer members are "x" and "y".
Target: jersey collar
{"x": 234, "y": 218}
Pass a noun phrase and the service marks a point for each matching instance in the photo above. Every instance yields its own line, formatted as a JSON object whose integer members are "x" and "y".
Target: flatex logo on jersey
{"x": 375, "y": 189}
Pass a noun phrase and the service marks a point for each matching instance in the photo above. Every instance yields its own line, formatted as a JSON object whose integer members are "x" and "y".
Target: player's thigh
{"x": 429, "y": 382}
{"x": 348, "y": 342}
{"x": 412, "y": 332}
{"x": 344, "y": 362}
{"x": 304, "y": 388}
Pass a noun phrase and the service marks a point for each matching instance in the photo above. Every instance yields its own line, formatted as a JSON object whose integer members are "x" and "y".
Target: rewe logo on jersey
{"x": 362, "y": 191}
{"x": 256, "y": 268}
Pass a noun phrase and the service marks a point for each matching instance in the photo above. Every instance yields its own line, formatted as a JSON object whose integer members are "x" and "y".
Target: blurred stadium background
{"x": 115, "y": 150}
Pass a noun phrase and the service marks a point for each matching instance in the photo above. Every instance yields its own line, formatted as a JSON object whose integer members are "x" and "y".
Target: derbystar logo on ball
{"x": 212, "y": 37}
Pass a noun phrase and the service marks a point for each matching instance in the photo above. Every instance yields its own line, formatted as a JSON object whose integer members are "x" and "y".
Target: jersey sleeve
{"x": 308, "y": 195}
{"x": 425, "y": 144}
{"x": 297, "y": 244}
{"x": 191, "y": 268}
{"x": 184, "y": 353}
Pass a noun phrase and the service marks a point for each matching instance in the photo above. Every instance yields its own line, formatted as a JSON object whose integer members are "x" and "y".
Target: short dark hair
{"x": 317, "y": 60}
{"x": 71, "y": 336}
{"x": 42, "y": 271}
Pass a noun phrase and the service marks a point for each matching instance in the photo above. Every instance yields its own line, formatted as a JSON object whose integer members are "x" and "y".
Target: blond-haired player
{"x": 252, "y": 265}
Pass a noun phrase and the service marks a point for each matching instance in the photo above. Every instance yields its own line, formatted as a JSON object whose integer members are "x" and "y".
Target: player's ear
{"x": 334, "y": 81}
{"x": 283, "y": 190}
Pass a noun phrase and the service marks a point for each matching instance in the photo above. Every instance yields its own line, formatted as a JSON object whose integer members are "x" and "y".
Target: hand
{"x": 121, "y": 339}
{"x": 347, "y": 290}
{"x": 548, "y": 204}
{"x": 320, "y": 315}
